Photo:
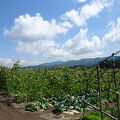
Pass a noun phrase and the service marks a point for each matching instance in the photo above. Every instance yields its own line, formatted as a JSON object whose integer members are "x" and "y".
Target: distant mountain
{"x": 47, "y": 65}
{"x": 88, "y": 62}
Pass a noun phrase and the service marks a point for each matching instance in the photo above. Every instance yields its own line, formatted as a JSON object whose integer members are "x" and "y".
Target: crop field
{"x": 63, "y": 88}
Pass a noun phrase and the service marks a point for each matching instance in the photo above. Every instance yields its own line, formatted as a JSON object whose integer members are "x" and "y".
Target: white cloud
{"x": 36, "y": 48}
{"x": 81, "y": 15}
{"x": 36, "y": 36}
{"x": 66, "y": 24}
{"x": 29, "y": 63}
{"x": 80, "y": 46}
{"x": 81, "y": 1}
{"x": 34, "y": 28}
{"x": 9, "y": 62}
{"x": 6, "y": 61}
{"x": 113, "y": 35}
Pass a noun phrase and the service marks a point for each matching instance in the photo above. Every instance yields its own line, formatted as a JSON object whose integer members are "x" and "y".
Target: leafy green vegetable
{"x": 31, "y": 108}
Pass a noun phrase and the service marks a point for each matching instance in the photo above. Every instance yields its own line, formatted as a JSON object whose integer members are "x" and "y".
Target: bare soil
{"x": 12, "y": 111}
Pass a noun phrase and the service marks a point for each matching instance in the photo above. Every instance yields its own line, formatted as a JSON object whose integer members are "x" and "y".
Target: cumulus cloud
{"x": 36, "y": 48}
{"x": 34, "y": 28}
{"x": 81, "y": 15}
{"x": 113, "y": 35}
{"x": 80, "y": 46}
{"x": 35, "y": 36}
{"x": 82, "y": 43}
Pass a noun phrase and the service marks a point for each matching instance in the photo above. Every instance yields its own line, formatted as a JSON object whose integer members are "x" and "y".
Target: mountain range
{"x": 88, "y": 62}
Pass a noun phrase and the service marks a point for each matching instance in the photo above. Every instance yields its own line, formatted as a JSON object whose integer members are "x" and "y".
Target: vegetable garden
{"x": 79, "y": 88}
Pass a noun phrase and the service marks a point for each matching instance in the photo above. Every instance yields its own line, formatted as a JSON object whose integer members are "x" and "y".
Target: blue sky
{"x": 38, "y": 31}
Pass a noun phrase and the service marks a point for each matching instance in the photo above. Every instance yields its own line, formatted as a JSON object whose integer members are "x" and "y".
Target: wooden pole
{"x": 118, "y": 103}
{"x": 99, "y": 91}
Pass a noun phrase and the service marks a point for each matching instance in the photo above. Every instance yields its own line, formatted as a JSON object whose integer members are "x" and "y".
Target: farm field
{"x": 60, "y": 60}
{"x": 61, "y": 88}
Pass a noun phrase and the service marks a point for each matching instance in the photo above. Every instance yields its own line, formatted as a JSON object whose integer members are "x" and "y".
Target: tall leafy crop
{"x": 58, "y": 85}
